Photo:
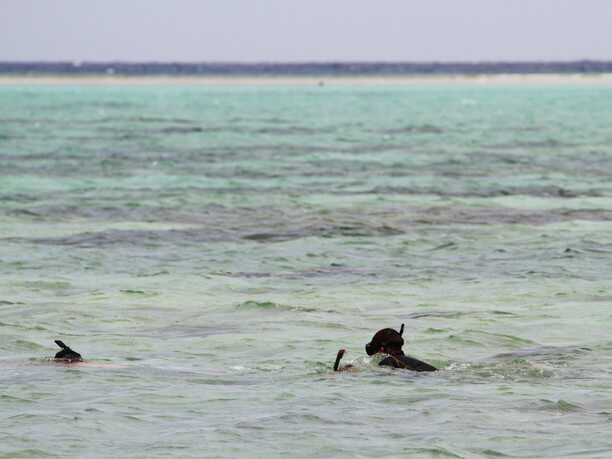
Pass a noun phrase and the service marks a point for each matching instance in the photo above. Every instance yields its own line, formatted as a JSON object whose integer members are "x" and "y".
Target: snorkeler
{"x": 388, "y": 341}
{"x": 66, "y": 354}
{"x": 69, "y": 358}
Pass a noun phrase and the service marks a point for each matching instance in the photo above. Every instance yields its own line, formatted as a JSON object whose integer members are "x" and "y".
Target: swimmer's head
{"x": 67, "y": 354}
{"x": 385, "y": 340}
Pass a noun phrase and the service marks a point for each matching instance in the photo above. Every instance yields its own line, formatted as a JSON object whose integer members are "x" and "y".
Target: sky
{"x": 305, "y": 30}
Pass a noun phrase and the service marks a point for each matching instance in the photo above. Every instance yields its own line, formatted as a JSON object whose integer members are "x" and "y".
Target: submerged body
{"x": 69, "y": 357}
{"x": 72, "y": 363}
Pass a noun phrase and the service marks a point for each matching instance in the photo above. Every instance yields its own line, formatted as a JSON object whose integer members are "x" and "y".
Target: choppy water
{"x": 224, "y": 243}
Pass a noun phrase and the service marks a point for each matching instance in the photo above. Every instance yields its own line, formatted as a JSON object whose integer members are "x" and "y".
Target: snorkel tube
{"x": 338, "y": 358}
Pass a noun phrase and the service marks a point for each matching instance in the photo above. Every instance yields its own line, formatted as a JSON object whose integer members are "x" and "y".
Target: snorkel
{"x": 338, "y": 358}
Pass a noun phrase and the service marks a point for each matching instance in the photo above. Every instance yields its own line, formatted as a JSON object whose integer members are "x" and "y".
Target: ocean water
{"x": 211, "y": 249}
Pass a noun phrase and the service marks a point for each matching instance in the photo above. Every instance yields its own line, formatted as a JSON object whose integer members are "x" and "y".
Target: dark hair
{"x": 385, "y": 338}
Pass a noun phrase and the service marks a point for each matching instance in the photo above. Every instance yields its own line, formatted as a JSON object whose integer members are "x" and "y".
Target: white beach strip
{"x": 359, "y": 80}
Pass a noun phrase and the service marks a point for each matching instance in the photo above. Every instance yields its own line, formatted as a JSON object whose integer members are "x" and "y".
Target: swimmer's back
{"x": 404, "y": 361}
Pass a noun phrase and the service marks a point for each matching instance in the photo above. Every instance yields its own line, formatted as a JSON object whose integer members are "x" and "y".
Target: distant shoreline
{"x": 310, "y": 80}
{"x": 303, "y": 69}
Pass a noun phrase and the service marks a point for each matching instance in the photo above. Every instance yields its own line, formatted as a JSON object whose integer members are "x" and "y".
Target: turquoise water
{"x": 217, "y": 246}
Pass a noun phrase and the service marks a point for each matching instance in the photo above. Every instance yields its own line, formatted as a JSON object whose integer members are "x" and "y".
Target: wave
{"x": 270, "y": 305}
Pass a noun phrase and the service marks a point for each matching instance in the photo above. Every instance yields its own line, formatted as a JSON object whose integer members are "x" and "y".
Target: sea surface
{"x": 210, "y": 249}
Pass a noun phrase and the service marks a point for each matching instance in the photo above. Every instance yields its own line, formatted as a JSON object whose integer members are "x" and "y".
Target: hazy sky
{"x": 305, "y": 30}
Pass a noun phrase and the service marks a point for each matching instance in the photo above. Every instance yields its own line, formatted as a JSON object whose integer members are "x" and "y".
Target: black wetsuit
{"x": 403, "y": 361}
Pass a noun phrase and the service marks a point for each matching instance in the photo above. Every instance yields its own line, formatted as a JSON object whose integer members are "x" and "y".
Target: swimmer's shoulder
{"x": 407, "y": 362}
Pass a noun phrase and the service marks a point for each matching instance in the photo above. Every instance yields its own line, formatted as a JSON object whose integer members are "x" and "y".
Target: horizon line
{"x": 308, "y": 61}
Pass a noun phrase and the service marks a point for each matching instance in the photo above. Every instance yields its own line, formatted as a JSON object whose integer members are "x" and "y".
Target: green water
{"x": 219, "y": 245}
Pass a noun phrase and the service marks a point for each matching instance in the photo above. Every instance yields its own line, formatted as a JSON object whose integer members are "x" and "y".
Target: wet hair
{"x": 386, "y": 338}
